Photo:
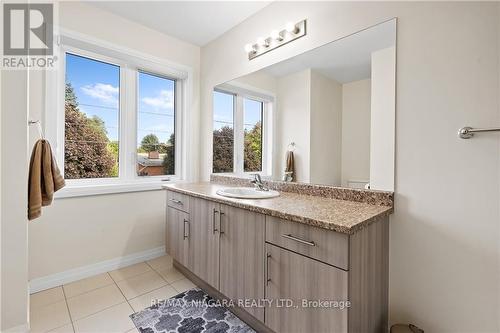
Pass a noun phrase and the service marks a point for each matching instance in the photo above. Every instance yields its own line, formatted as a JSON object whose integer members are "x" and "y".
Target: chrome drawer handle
{"x": 186, "y": 235}
{"x": 221, "y": 214}
{"x": 300, "y": 240}
{"x": 176, "y": 201}
{"x": 214, "y": 228}
{"x": 268, "y": 279}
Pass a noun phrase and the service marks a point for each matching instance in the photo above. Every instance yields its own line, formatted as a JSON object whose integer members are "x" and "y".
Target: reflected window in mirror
{"x": 223, "y": 132}
{"x": 241, "y": 131}
{"x": 253, "y": 135}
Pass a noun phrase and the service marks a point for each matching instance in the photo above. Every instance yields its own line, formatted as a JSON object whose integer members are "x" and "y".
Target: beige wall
{"x": 382, "y": 119}
{"x": 293, "y": 122}
{"x": 326, "y": 130}
{"x": 498, "y": 121}
{"x": 444, "y": 251}
{"x": 121, "y": 224}
{"x": 82, "y": 231}
{"x": 13, "y": 215}
{"x": 14, "y": 106}
{"x": 356, "y": 131}
{"x": 259, "y": 80}
{"x": 1, "y": 275}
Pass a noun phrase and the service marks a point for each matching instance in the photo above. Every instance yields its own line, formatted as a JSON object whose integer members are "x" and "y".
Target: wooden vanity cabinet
{"x": 355, "y": 269}
{"x": 224, "y": 247}
{"x": 204, "y": 249}
{"x": 244, "y": 255}
{"x": 241, "y": 252}
{"x": 177, "y": 235}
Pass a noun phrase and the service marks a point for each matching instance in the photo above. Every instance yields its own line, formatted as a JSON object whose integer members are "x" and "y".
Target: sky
{"x": 96, "y": 85}
{"x": 223, "y": 110}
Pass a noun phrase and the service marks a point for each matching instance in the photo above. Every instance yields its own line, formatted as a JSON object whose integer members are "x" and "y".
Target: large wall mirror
{"x": 326, "y": 116}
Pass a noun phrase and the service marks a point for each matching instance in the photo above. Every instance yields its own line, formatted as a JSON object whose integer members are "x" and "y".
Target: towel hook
{"x": 39, "y": 126}
{"x": 291, "y": 146}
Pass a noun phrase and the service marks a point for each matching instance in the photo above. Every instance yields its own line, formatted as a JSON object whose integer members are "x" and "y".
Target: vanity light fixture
{"x": 276, "y": 35}
{"x": 262, "y": 42}
{"x": 277, "y": 38}
{"x": 249, "y": 48}
{"x": 291, "y": 28}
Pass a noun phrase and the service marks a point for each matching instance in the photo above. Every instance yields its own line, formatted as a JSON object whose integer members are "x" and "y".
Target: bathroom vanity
{"x": 306, "y": 261}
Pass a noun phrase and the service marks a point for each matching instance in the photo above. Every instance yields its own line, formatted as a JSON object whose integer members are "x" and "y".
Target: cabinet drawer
{"x": 291, "y": 276}
{"x": 178, "y": 200}
{"x": 325, "y": 245}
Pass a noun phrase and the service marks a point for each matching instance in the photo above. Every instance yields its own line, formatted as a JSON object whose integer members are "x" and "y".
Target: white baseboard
{"x": 24, "y": 328}
{"x": 54, "y": 280}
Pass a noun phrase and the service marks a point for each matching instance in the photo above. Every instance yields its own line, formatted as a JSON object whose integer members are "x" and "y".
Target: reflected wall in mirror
{"x": 333, "y": 107}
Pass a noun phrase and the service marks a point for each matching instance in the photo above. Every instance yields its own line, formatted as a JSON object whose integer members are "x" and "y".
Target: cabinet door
{"x": 242, "y": 256}
{"x": 296, "y": 277}
{"x": 204, "y": 241}
{"x": 177, "y": 235}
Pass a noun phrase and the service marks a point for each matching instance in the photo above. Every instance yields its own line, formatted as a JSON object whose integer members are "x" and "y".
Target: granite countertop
{"x": 333, "y": 214}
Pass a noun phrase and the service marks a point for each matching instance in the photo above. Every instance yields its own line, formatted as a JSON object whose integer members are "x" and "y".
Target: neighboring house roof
{"x": 143, "y": 160}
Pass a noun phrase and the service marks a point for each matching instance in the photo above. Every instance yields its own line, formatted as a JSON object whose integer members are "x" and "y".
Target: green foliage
{"x": 113, "y": 148}
{"x": 86, "y": 153}
{"x": 70, "y": 97}
{"x": 97, "y": 124}
{"x": 253, "y": 149}
{"x": 223, "y": 146}
{"x": 169, "y": 158}
{"x": 150, "y": 143}
{"x": 223, "y": 142}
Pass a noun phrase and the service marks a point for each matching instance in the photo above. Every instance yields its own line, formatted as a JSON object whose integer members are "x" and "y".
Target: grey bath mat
{"x": 192, "y": 311}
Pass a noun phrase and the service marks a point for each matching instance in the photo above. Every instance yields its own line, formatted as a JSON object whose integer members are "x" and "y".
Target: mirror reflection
{"x": 324, "y": 117}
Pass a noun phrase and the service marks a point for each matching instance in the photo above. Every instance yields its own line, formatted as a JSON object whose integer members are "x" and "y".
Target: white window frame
{"x": 131, "y": 64}
{"x": 241, "y": 92}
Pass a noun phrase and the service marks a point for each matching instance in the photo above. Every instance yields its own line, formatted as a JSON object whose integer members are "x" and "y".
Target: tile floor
{"x": 103, "y": 303}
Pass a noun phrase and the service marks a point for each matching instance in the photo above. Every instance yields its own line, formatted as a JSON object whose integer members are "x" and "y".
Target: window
{"x": 241, "y": 131}
{"x": 120, "y": 120}
{"x": 253, "y": 135}
{"x": 92, "y": 113}
{"x": 156, "y": 126}
{"x": 223, "y": 137}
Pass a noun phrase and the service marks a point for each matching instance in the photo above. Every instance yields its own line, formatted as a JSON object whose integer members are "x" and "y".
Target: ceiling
{"x": 344, "y": 60}
{"x": 196, "y": 22}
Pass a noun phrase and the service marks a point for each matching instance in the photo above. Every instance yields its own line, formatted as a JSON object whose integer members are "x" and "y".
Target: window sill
{"x": 248, "y": 175}
{"x": 83, "y": 190}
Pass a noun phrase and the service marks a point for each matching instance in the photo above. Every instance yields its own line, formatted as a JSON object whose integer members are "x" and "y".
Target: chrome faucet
{"x": 257, "y": 182}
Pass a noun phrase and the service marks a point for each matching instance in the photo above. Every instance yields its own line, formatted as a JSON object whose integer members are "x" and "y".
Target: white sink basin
{"x": 247, "y": 193}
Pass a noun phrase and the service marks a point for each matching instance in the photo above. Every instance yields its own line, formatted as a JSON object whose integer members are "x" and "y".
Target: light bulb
{"x": 275, "y": 34}
{"x": 291, "y": 28}
{"x": 249, "y": 48}
{"x": 261, "y": 41}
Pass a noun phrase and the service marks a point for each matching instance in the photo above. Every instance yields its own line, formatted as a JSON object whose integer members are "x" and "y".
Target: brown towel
{"x": 290, "y": 164}
{"x": 44, "y": 178}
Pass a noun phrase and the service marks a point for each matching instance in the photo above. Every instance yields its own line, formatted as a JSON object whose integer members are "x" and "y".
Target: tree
{"x": 169, "y": 158}
{"x": 113, "y": 148}
{"x": 253, "y": 149}
{"x": 86, "y": 153}
{"x": 150, "y": 143}
{"x": 223, "y": 142}
{"x": 98, "y": 124}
